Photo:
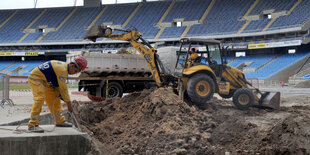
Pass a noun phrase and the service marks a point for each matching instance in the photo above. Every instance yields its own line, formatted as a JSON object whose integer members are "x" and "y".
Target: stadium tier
{"x": 245, "y": 25}
{"x": 277, "y": 64}
{"x": 154, "y": 19}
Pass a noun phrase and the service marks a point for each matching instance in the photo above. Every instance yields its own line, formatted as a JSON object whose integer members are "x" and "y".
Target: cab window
{"x": 215, "y": 53}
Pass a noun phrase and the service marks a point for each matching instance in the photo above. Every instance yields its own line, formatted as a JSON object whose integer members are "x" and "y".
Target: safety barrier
{"x": 4, "y": 90}
{"x": 254, "y": 82}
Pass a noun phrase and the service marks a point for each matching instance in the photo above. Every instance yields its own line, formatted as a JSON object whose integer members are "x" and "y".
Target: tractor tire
{"x": 243, "y": 98}
{"x": 231, "y": 94}
{"x": 115, "y": 90}
{"x": 200, "y": 88}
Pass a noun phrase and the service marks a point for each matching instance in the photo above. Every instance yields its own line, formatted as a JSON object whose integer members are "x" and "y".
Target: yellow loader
{"x": 196, "y": 80}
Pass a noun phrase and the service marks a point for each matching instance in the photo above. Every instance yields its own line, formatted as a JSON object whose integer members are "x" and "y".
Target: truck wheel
{"x": 231, "y": 93}
{"x": 243, "y": 98}
{"x": 200, "y": 88}
{"x": 115, "y": 90}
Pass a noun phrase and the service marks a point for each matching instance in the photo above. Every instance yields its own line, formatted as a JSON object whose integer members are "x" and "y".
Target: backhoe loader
{"x": 196, "y": 80}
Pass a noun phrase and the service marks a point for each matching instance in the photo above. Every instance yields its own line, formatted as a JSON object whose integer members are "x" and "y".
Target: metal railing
{"x": 4, "y": 90}
{"x": 294, "y": 80}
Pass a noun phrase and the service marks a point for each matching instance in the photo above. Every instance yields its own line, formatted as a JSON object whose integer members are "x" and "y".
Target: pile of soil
{"x": 155, "y": 121}
{"x": 304, "y": 84}
{"x": 123, "y": 51}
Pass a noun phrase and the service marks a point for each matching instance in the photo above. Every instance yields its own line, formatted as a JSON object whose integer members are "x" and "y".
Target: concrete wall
{"x": 59, "y": 142}
{"x": 287, "y": 72}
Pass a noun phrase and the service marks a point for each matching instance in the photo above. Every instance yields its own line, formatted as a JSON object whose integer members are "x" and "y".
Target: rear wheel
{"x": 200, "y": 88}
{"x": 115, "y": 90}
{"x": 243, "y": 98}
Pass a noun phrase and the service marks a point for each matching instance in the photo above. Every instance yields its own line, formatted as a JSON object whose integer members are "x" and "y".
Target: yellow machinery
{"x": 196, "y": 80}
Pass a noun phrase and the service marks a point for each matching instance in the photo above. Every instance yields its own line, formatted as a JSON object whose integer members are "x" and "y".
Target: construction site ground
{"x": 155, "y": 121}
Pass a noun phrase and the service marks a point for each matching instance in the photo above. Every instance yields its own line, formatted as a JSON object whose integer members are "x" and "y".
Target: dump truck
{"x": 131, "y": 71}
{"x": 195, "y": 81}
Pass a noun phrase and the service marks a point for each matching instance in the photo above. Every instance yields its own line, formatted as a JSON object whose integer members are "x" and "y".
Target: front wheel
{"x": 243, "y": 98}
{"x": 200, "y": 88}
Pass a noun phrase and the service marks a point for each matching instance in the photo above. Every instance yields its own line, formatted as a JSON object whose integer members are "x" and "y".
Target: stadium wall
{"x": 287, "y": 72}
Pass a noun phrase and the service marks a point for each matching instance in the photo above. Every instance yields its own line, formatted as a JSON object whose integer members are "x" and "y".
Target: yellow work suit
{"x": 191, "y": 59}
{"x": 47, "y": 82}
{"x": 193, "y": 56}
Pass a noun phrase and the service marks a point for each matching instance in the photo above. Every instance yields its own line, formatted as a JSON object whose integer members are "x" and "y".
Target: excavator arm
{"x": 135, "y": 39}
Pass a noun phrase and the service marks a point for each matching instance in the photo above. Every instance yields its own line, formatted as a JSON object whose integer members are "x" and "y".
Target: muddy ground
{"x": 155, "y": 122}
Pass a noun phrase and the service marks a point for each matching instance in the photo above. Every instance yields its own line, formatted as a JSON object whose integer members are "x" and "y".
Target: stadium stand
{"x": 5, "y": 64}
{"x": 306, "y": 76}
{"x": 48, "y": 20}
{"x": 296, "y": 18}
{"x": 277, "y": 65}
{"x": 75, "y": 28}
{"x": 24, "y": 65}
{"x": 254, "y": 61}
{"x": 116, "y": 14}
{"x": 157, "y": 20}
{"x": 71, "y": 23}
{"x": 147, "y": 16}
{"x": 276, "y": 5}
{"x": 221, "y": 20}
{"x": 12, "y": 30}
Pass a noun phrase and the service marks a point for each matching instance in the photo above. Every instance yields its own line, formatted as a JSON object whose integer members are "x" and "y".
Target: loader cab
{"x": 209, "y": 53}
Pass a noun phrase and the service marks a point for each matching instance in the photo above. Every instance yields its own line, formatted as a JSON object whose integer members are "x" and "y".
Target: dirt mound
{"x": 123, "y": 51}
{"x": 154, "y": 121}
{"x": 304, "y": 84}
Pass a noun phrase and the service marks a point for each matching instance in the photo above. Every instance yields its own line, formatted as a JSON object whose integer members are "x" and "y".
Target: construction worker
{"x": 192, "y": 58}
{"x": 48, "y": 83}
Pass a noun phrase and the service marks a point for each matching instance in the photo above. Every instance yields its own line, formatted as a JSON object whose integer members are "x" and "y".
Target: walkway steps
{"x": 11, "y": 16}
{"x": 246, "y": 14}
{"x": 206, "y": 12}
{"x": 59, "y": 26}
{"x": 288, "y": 12}
{"x": 132, "y": 14}
{"x": 268, "y": 62}
{"x": 166, "y": 13}
{"x": 35, "y": 20}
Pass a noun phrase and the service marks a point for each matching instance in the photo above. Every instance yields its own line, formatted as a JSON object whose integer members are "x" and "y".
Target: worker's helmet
{"x": 80, "y": 62}
{"x": 194, "y": 49}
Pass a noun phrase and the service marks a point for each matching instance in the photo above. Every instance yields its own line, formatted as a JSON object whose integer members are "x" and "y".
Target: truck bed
{"x": 108, "y": 63}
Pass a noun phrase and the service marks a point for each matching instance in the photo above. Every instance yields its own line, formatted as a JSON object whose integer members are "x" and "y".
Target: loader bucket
{"x": 269, "y": 100}
{"x": 95, "y": 32}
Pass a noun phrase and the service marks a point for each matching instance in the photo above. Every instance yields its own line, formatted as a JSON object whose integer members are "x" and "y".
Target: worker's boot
{"x": 36, "y": 129}
{"x": 64, "y": 124}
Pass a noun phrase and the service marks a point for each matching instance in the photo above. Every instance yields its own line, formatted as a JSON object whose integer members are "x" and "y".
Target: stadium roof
{"x": 21, "y": 4}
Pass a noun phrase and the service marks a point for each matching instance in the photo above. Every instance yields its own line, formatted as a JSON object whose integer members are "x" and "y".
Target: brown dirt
{"x": 123, "y": 51}
{"x": 154, "y": 121}
{"x": 304, "y": 84}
